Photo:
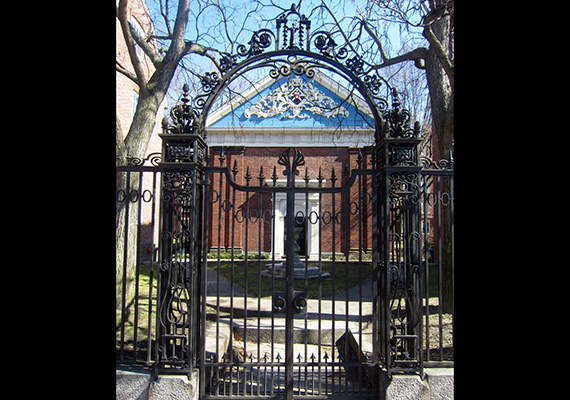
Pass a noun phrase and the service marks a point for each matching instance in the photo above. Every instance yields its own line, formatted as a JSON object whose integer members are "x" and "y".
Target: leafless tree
{"x": 166, "y": 57}
{"x": 426, "y": 42}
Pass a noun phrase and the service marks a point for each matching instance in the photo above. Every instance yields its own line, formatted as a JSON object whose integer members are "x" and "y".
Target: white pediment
{"x": 292, "y": 111}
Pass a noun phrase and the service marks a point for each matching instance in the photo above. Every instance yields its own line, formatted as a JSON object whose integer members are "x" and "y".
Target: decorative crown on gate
{"x": 183, "y": 118}
{"x": 397, "y": 121}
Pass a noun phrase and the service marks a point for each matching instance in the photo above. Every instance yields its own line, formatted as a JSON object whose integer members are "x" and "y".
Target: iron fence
{"x": 438, "y": 262}
{"x": 169, "y": 211}
{"x": 137, "y": 223}
{"x": 137, "y": 200}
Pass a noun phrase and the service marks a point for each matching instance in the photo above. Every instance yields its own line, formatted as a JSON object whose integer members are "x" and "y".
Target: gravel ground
{"x": 434, "y": 333}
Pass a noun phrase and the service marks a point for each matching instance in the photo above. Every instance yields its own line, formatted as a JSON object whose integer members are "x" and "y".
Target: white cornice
{"x": 290, "y": 131}
{"x": 290, "y": 137}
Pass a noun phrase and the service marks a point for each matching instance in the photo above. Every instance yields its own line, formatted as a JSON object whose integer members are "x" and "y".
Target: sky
{"x": 207, "y": 26}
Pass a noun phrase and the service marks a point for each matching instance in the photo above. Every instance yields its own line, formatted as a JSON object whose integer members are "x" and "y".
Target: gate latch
{"x": 279, "y": 303}
{"x": 299, "y": 302}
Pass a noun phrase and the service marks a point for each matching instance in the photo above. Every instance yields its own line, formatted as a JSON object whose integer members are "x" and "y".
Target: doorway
{"x": 301, "y": 230}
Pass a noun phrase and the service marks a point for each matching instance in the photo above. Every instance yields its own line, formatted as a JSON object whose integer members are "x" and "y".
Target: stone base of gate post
{"x": 138, "y": 384}
{"x": 403, "y": 387}
{"x": 437, "y": 384}
{"x": 178, "y": 387}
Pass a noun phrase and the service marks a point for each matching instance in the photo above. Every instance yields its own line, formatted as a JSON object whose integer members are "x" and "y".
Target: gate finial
{"x": 183, "y": 117}
{"x": 291, "y": 163}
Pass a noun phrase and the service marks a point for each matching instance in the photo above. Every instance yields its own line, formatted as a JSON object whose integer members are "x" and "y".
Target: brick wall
{"x": 351, "y": 228}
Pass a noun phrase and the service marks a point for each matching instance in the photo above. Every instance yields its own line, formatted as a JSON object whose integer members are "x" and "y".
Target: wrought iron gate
{"x": 298, "y": 326}
{"x": 237, "y": 302}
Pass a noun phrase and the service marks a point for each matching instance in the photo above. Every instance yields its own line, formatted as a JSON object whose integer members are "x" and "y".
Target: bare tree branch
{"x": 181, "y": 22}
{"x": 145, "y": 46}
{"x": 137, "y": 64}
{"x": 125, "y": 72}
{"x": 164, "y": 13}
{"x": 195, "y": 48}
{"x": 375, "y": 38}
{"x": 417, "y": 55}
{"x": 401, "y": 14}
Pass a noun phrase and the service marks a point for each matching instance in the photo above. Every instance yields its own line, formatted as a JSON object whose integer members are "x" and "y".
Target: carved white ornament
{"x": 292, "y": 98}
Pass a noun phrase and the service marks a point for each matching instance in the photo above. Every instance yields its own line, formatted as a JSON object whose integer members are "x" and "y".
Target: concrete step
{"x": 217, "y": 339}
{"x": 311, "y": 331}
{"x": 323, "y": 322}
{"x": 240, "y": 306}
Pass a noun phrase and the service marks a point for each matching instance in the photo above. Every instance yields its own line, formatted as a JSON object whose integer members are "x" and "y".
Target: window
{"x": 135, "y": 102}
{"x": 309, "y": 235}
{"x": 139, "y": 30}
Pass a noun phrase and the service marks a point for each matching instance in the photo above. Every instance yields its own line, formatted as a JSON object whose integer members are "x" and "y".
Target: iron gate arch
{"x": 187, "y": 171}
{"x": 298, "y": 62}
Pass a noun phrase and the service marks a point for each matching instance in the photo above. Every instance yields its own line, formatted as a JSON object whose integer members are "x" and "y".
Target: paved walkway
{"x": 225, "y": 285}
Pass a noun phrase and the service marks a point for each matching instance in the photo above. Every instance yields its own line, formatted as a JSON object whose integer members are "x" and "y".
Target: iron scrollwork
{"x": 179, "y": 260}
{"x": 184, "y": 151}
{"x": 399, "y": 166}
{"x": 153, "y": 158}
{"x": 326, "y": 44}
{"x": 443, "y": 164}
{"x": 259, "y": 42}
{"x": 286, "y": 51}
{"x": 293, "y": 36}
{"x": 403, "y": 275}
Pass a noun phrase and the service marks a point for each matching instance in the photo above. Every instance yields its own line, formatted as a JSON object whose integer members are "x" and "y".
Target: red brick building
{"x": 332, "y": 128}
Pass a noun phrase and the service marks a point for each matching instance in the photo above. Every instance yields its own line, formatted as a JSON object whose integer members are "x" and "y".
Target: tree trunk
{"x": 134, "y": 145}
{"x": 442, "y": 101}
{"x": 126, "y": 244}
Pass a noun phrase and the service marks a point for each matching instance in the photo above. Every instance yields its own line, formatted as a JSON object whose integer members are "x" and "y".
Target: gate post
{"x": 399, "y": 241}
{"x": 183, "y": 159}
